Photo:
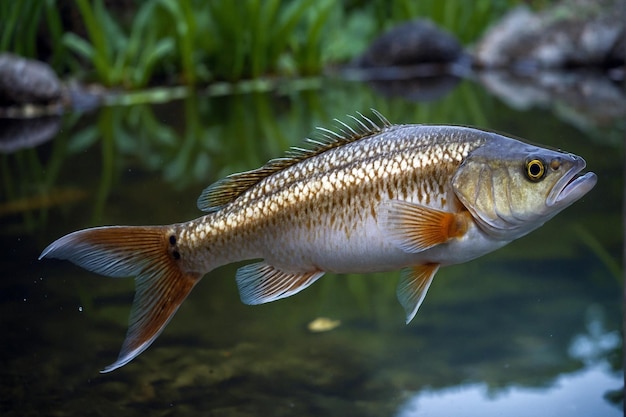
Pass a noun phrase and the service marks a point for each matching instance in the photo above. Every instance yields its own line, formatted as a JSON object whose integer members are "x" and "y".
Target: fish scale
{"x": 389, "y": 164}
{"x": 369, "y": 197}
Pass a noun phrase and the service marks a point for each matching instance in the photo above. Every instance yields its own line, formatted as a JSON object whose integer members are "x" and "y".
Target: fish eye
{"x": 535, "y": 169}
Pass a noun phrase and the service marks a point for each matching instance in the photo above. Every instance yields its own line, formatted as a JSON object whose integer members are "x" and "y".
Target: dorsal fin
{"x": 228, "y": 189}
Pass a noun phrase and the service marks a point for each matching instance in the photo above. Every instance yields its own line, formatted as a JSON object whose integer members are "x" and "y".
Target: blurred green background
{"x": 133, "y": 44}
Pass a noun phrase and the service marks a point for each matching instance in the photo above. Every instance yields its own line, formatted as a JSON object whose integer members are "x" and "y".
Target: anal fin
{"x": 262, "y": 283}
{"x": 415, "y": 228}
{"x": 414, "y": 283}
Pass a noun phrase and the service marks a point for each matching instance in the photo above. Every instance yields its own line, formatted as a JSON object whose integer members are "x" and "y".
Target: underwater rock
{"x": 416, "y": 42}
{"x": 572, "y": 33}
{"x": 27, "y": 81}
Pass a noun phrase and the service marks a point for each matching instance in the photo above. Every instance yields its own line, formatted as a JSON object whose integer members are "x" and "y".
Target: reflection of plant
{"x": 217, "y": 136}
{"x": 28, "y": 182}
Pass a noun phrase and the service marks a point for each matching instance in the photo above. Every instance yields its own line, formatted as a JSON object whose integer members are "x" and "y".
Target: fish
{"x": 365, "y": 196}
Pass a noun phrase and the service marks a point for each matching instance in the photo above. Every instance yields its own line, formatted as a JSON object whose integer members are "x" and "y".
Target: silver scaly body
{"x": 322, "y": 213}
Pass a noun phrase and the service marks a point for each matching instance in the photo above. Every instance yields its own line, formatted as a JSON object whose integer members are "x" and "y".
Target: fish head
{"x": 511, "y": 187}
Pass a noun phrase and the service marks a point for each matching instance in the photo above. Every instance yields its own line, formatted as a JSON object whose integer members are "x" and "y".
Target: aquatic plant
{"x": 247, "y": 39}
{"x": 190, "y": 42}
{"x": 120, "y": 59}
{"x": 262, "y": 36}
{"x": 21, "y": 23}
{"x": 467, "y": 20}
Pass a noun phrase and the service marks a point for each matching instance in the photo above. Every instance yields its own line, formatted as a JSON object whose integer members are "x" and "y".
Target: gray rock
{"x": 27, "y": 81}
{"x": 573, "y": 33}
{"x": 415, "y": 42}
{"x": 502, "y": 41}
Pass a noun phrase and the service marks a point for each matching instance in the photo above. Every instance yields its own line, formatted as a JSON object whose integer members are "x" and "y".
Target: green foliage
{"x": 120, "y": 59}
{"x": 260, "y": 35}
{"x": 253, "y": 46}
{"x": 17, "y": 34}
{"x": 20, "y": 22}
{"x": 192, "y": 41}
{"x": 467, "y": 20}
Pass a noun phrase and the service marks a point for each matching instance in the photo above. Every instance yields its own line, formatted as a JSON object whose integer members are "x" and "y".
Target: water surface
{"x": 530, "y": 329}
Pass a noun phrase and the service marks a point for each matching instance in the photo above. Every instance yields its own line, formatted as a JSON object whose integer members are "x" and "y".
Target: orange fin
{"x": 414, "y": 283}
{"x": 261, "y": 283}
{"x": 415, "y": 228}
{"x": 142, "y": 252}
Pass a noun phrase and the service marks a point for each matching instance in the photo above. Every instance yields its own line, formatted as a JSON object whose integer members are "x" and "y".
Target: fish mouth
{"x": 572, "y": 186}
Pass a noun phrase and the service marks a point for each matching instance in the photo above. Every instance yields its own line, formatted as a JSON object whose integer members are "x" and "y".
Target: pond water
{"x": 531, "y": 329}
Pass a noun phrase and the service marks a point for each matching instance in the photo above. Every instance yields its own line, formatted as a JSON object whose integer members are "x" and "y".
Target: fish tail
{"x": 143, "y": 252}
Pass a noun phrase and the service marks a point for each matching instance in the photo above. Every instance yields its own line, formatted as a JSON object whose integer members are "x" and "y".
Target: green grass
{"x": 18, "y": 35}
{"x": 21, "y": 22}
{"x": 191, "y": 42}
{"x": 466, "y": 20}
{"x": 119, "y": 58}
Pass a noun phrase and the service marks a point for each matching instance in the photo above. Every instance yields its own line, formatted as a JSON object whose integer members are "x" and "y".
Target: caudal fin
{"x": 143, "y": 252}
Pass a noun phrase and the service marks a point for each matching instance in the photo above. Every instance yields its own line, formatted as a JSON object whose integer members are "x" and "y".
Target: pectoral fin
{"x": 261, "y": 283}
{"x": 414, "y": 283}
{"x": 415, "y": 228}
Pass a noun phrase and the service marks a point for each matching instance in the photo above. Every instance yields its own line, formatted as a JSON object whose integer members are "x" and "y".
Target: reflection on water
{"x": 578, "y": 394}
{"x": 531, "y": 327}
{"x": 18, "y": 134}
{"x": 597, "y": 342}
{"x": 588, "y": 100}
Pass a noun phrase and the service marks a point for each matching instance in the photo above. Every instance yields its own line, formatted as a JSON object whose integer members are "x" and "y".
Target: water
{"x": 532, "y": 329}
